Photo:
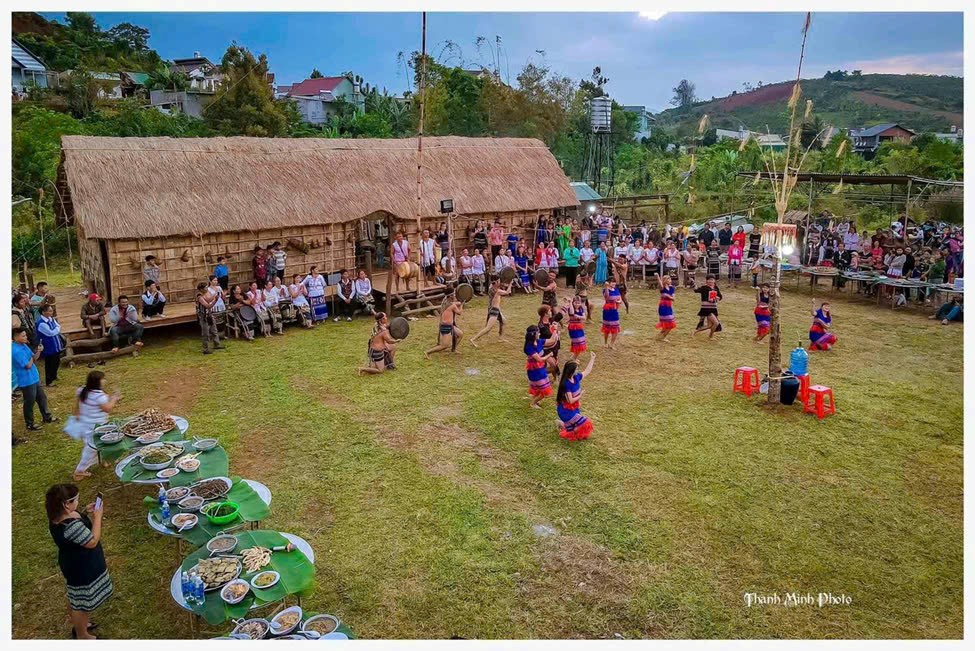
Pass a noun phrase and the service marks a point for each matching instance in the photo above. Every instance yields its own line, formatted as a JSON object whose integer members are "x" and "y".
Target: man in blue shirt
{"x": 222, "y": 273}
{"x": 28, "y": 380}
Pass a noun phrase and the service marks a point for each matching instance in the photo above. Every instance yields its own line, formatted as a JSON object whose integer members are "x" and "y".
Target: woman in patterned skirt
{"x": 577, "y": 333}
{"x": 819, "y": 333}
{"x": 665, "y": 308}
{"x": 611, "y": 313}
{"x": 314, "y": 282}
{"x": 80, "y": 555}
{"x": 537, "y": 366}
{"x": 763, "y": 316}
{"x": 573, "y": 425}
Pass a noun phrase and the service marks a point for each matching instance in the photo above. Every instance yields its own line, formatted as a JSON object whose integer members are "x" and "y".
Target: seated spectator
{"x": 93, "y": 316}
{"x": 364, "y": 299}
{"x": 153, "y": 301}
{"x": 950, "y": 311}
{"x": 124, "y": 320}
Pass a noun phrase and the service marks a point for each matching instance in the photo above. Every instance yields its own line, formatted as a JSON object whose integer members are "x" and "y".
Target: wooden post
{"x": 40, "y": 219}
{"x": 419, "y": 147}
{"x": 389, "y": 276}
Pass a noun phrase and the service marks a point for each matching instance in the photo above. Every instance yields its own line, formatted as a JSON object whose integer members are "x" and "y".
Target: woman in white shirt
{"x": 94, "y": 406}
{"x": 466, "y": 266}
{"x": 215, "y": 291}
{"x": 271, "y": 303}
{"x": 363, "y": 293}
{"x": 314, "y": 282}
{"x": 299, "y": 298}
{"x": 851, "y": 240}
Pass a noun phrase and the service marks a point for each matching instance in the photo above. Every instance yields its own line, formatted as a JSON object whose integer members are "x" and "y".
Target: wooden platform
{"x": 175, "y": 314}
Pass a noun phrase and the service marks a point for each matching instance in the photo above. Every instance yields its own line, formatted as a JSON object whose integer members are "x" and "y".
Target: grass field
{"x": 419, "y": 489}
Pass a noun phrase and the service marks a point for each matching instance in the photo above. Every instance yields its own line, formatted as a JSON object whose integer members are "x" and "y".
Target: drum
{"x": 248, "y": 314}
{"x": 403, "y": 270}
{"x": 508, "y": 274}
{"x": 464, "y": 292}
{"x": 541, "y": 276}
{"x": 399, "y": 328}
{"x": 590, "y": 268}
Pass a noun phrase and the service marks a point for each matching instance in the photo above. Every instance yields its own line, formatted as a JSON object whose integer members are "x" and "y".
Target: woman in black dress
{"x": 80, "y": 555}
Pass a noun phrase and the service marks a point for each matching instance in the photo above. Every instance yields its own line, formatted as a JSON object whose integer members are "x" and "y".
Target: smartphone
{"x": 98, "y": 501}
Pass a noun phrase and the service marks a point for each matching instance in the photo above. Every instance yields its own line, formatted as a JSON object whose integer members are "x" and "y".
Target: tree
{"x": 811, "y": 132}
{"x": 593, "y": 87}
{"x": 82, "y": 22}
{"x": 130, "y": 36}
{"x": 81, "y": 91}
{"x": 165, "y": 78}
{"x": 244, "y": 104}
{"x": 315, "y": 74}
{"x": 683, "y": 95}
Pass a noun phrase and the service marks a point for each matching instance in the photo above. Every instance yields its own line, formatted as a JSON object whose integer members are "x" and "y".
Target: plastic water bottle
{"x": 199, "y": 589}
{"x": 164, "y": 509}
{"x": 186, "y": 588}
{"x": 799, "y": 361}
{"x": 161, "y": 497}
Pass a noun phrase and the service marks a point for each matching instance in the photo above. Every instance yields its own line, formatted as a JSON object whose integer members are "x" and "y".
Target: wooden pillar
{"x": 389, "y": 276}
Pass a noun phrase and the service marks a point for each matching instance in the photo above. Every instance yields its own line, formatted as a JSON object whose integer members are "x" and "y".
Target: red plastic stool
{"x": 803, "y": 387}
{"x": 817, "y": 396}
{"x": 746, "y": 380}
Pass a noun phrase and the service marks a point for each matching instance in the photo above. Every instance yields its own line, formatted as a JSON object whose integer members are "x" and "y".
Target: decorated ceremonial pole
{"x": 419, "y": 152}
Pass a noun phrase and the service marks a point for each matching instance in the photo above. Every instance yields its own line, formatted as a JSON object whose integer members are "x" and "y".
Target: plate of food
{"x": 172, "y": 449}
{"x": 286, "y": 621}
{"x": 149, "y": 437}
{"x": 111, "y": 437}
{"x": 188, "y": 520}
{"x": 265, "y": 579}
{"x": 108, "y": 427}
{"x": 177, "y": 493}
{"x": 204, "y": 444}
{"x": 166, "y": 473}
{"x": 191, "y": 503}
{"x": 155, "y": 460}
{"x": 150, "y": 420}
{"x": 235, "y": 591}
{"x": 211, "y": 489}
{"x": 222, "y": 544}
{"x": 321, "y": 624}
{"x": 188, "y": 463}
{"x": 217, "y": 571}
{"x": 255, "y": 629}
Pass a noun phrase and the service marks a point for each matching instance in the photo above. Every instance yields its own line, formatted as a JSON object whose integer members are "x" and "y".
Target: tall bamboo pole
{"x": 419, "y": 149}
{"x": 40, "y": 219}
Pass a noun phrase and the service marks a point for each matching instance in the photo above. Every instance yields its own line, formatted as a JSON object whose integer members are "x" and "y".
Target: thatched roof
{"x": 124, "y": 188}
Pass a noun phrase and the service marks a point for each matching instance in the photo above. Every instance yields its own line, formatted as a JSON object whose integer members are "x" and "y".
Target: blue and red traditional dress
{"x": 819, "y": 333}
{"x": 577, "y": 333}
{"x": 538, "y": 383}
{"x": 763, "y": 316}
{"x": 521, "y": 261}
{"x": 665, "y": 309}
{"x": 575, "y": 426}
{"x": 611, "y": 312}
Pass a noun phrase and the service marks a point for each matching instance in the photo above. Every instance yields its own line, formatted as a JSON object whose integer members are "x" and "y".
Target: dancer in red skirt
{"x": 611, "y": 314}
{"x": 577, "y": 333}
{"x": 573, "y": 425}
{"x": 537, "y": 366}
{"x": 665, "y": 308}
{"x": 763, "y": 317}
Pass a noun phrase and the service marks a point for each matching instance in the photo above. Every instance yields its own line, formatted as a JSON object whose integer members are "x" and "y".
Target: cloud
{"x": 935, "y": 63}
{"x": 652, "y": 15}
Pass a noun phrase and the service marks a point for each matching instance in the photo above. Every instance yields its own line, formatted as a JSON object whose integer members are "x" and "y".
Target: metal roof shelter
{"x": 584, "y": 192}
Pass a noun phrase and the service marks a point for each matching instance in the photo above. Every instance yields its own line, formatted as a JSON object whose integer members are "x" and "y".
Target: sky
{"x": 644, "y": 56}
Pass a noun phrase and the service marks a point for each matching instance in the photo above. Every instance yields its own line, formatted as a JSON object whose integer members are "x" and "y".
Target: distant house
{"x": 869, "y": 139}
{"x": 204, "y": 80}
{"x": 954, "y": 136}
{"x": 133, "y": 82}
{"x": 772, "y": 141}
{"x": 28, "y": 70}
{"x": 204, "y": 76}
{"x": 315, "y": 98}
{"x": 109, "y": 83}
{"x": 645, "y": 125}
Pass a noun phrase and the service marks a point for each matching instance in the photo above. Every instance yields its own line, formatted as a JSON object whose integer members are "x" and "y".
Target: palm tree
{"x": 165, "y": 78}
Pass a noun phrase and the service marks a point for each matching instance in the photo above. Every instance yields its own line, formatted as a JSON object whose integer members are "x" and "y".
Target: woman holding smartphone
{"x": 80, "y": 555}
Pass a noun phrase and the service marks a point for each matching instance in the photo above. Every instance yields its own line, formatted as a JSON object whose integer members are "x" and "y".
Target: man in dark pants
{"x": 724, "y": 237}
{"x": 208, "y": 329}
{"x": 28, "y": 380}
{"x": 125, "y": 323}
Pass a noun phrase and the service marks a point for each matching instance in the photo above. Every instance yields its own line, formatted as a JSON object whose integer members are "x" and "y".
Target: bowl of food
{"x": 108, "y": 427}
{"x": 211, "y": 489}
{"x": 113, "y": 436}
{"x": 265, "y": 579}
{"x": 255, "y": 629}
{"x": 189, "y": 464}
{"x": 222, "y": 544}
{"x": 286, "y": 621}
{"x": 149, "y": 437}
{"x": 187, "y": 520}
{"x": 321, "y": 624}
{"x": 235, "y": 591}
{"x": 155, "y": 460}
{"x": 177, "y": 493}
{"x": 205, "y": 444}
{"x": 166, "y": 473}
{"x": 221, "y": 512}
{"x": 191, "y": 503}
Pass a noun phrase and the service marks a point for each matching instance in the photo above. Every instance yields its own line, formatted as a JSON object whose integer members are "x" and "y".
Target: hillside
{"x": 919, "y": 102}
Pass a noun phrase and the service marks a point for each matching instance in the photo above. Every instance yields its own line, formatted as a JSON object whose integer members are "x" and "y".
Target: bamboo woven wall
{"x": 92, "y": 267}
{"x": 178, "y": 277}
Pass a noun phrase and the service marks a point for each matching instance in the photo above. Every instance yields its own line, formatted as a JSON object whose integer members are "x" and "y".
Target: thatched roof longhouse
{"x": 124, "y": 188}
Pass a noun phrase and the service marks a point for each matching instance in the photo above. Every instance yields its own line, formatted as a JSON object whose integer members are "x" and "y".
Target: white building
{"x": 315, "y": 98}
{"x": 28, "y": 70}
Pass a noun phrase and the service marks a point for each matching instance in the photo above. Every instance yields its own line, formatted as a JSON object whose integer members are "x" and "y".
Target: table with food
{"x": 291, "y": 624}
{"x": 201, "y": 511}
{"x": 235, "y": 573}
{"x": 118, "y": 437}
{"x": 178, "y": 463}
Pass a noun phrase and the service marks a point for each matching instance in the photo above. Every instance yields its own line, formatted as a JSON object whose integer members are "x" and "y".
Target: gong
{"x": 399, "y": 328}
{"x": 590, "y": 268}
{"x": 464, "y": 292}
{"x": 508, "y": 274}
{"x": 541, "y": 277}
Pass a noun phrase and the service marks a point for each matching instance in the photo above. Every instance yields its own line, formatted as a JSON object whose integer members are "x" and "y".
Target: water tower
{"x": 599, "y": 169}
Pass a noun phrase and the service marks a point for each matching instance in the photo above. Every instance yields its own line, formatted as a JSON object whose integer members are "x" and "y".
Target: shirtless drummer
{"x": 450, "y": 335}
{"x": 494, "y": 315}
{"x": 381, "y": 345}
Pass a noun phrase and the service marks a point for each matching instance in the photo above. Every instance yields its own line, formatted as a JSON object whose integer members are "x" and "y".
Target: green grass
{"x": 418, "y": 489}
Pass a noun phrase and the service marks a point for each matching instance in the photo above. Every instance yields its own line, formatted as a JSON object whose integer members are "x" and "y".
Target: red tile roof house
{"x": 315, "y": 97}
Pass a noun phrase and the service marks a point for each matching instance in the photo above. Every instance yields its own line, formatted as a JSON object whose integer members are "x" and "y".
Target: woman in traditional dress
{"x": 577, "y": 332}
{"x": 602, "y": 266}
{"x": 708, "y": 314}
{"x": 299, "y": 299}
{"x": 550, "y": 336}
{"x": 80, "y": 555}
{"x": 314, "y": 282}
{"x": 237, "y": 301}
{"x": 524, "y": 275}
{"x": 611, "y": 314}
{"x": 819, "y": 333}
{"x": 763, "y": 317}
{"x": 255, "y": 298}
{"x": 538, "y": 384}
{"x": 665, "y": 308}
{"x": 573, "y": 425}
{"x": 216, "y": 293}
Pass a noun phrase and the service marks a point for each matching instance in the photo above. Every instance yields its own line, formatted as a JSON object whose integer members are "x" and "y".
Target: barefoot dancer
{"x": 710, "y": 296}
{"x": 583, "y": 284}
{"x": 381, "y": 345}
{"x": 574, "y": 426}
{"x": 665, "y": 308}
{"x": 450, "y": 335}
{"x": 819, "y": 332}
{"x": 549, "y": 292}
{"x": 620, "y": 269}
{"x": 538, "y": 385}
{"x": 577, "y": 333}
{"x": 494, "y": 315}
{"x": 548, "y": 332}
{"x": 611, "y": 314}
{"x": 763, "y": 317}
